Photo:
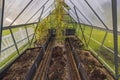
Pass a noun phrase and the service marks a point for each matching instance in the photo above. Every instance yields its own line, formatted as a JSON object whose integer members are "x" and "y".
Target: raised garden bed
{"x": 21, "y": 67}
{"x": 58, "y": 69}
{"x": 91, "y": 65}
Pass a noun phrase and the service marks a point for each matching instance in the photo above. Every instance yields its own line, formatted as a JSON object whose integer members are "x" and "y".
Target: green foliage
{"x": 42, "y": 31}
{"x": 60, "y": 24}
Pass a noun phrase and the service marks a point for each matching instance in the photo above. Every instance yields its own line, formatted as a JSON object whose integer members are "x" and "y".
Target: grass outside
{"x": 12, "y": 57}
{"x": 7, "y": 32}
{"x": 95, "y": 42}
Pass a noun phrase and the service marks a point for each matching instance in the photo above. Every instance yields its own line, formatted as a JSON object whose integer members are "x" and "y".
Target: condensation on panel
{"x": 12, "y": 10}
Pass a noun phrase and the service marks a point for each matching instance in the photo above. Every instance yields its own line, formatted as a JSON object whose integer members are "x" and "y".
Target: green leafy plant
{"x": 42, "y": 32}
{"x": 60, "y": 25}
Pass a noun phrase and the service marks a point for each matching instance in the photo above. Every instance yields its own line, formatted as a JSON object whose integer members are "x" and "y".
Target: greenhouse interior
{"x": 84, "y": 33}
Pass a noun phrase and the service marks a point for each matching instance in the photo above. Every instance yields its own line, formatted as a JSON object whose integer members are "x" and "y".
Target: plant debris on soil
{"x": 58, "y": 65}
{"x": 21, "y": 66}
{"x": 94, "y": 69}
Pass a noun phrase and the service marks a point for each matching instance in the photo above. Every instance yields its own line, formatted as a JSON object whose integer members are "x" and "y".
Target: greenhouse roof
{"x": 97, "y": 13}
{"x": 100, "y": 14}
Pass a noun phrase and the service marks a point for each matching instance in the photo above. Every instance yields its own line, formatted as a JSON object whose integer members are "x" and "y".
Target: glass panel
{"x": 20, "y": 37}
{"x": 12, "y": 9}
{"x": 118, "y": 10}
{"x": 104, "y": 9}
{"x": 46, "y": 13}
{"x": 8, "y": 50}
{"x": 105, "y": 55}
{"x": 73, "y": 15}
{"x": 35, "y": 18}
{"x": 83, "y": 7}
{"x": 30, "y": 29}
{"x": 30, "y": 11}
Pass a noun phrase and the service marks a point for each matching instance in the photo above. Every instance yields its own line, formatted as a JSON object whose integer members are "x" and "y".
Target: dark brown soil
{"x": 20, "y": 68}
{"x": 41, "y": 42}
{"x": 57, "y": 69}
{"x": 94, "y": 69}
{"x": 76, "y": 43}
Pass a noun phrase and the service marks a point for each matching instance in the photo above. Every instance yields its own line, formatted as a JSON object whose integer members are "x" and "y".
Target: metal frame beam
{"x": 96, "y": 14}
{"x": 16, "y": 42}
{"x": 36, "y": 12}
{"x": 21, "y": 12}
{"x": 115, "y": 36}
{"x": 1, "y": 25}
{"x": 18, "y": 26}
{"x": 21, "y": 25}
{"x": 90, "y": 36}
{"x": 103, "y": 42}
{"x": 80, "y": 26}
{"x": 43, "y": 7}
{"x": 27, "y": 34}
{"x": 13, "y": 23}
{"x": 96, "y": 27}
{"x": 81, "y": 13}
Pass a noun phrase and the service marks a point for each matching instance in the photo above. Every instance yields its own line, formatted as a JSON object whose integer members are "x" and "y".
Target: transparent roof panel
{"x": 12, "y": 9}
{"x": 84, "y": 8}
{"x": 104, "y": 9}
{"x": 48, "y": 11}
{"x": 33, "y": 7}
{"x": 73, "y": 16}
{"x": 32, "y": 10}
{"x": 49, "y": 8}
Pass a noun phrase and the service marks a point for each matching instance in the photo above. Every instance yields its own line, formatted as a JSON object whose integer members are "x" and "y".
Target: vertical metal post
{"x": 72, "y": 23}
{"x": 80, "y": 26}
{"x": 102, "y": 42}
{"x": 90, "y": 36}
{"x": 21, "y": 12}
{"x": 115, "y": 35}
{"x": 50, "y": 19}
{"x": 1, "y": 24}
{"x": 13, "y": 23}
{"x": 38, "y": 23}
{"x": 14, "y": 40}
{"x": 27, "y": 34}
{"x": 87, "y": 21}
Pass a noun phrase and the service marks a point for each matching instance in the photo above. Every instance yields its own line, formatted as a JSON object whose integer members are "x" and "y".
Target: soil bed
{"x": 58, "y": 69}
{"x": 94, "y": 69}
{"x": 21, "y": 66}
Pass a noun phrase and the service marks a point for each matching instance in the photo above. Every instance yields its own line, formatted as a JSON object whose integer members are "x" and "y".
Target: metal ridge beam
{"x": 17, "y": 26}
